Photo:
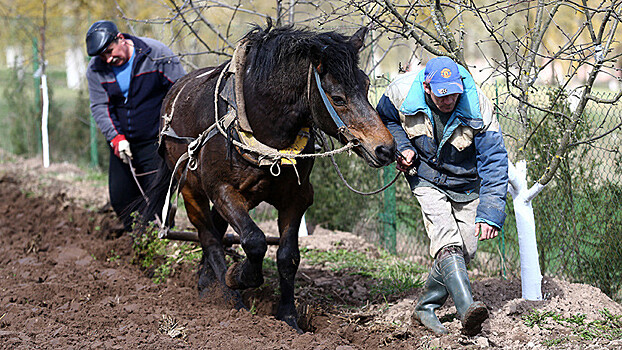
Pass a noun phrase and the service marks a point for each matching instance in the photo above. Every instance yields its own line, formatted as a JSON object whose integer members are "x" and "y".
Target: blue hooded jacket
{"x": 470, "y": 156}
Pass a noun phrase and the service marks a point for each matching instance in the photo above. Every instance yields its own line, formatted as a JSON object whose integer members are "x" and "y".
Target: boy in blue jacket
{"x": 456, "y": 164}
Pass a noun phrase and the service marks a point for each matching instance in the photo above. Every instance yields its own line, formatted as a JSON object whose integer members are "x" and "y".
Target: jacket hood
{"x": 467, "y": 110}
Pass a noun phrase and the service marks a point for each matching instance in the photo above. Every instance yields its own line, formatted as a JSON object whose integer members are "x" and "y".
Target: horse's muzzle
{"x": 385, "y": 154}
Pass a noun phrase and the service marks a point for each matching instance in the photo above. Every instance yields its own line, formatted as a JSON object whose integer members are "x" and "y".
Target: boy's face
{"x": 445, "y": 104}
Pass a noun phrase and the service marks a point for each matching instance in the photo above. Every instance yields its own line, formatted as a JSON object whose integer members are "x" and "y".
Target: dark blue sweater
{"x": 155, "y": 70}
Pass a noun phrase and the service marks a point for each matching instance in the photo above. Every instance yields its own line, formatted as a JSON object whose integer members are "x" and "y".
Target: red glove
{"x": 121, "y": 147}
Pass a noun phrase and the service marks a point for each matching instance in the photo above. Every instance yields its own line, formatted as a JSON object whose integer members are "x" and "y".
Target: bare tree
{"x": 206, "y": 31}
{"x": 521, "y": 43}
{"x": 518, "y": 47}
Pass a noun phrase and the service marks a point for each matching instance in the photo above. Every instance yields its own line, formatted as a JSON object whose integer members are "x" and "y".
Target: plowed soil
{"x": 67, "y": 281}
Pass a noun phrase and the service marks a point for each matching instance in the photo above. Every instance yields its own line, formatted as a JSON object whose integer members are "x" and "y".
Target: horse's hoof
{"x": 207, "y": 281}
{"x": 239, "y": 305}
{"x": 233, "y": 278}
{"x": 234, "y": 298}
{"x": 291, "y": 321}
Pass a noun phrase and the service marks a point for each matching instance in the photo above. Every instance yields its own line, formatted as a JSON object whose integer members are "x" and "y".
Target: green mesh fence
{"x": 578, "y": 216}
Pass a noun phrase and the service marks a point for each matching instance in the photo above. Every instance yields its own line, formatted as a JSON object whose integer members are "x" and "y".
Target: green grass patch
{"x": 607, "y": 328}
{"x": 269, "y": 266}
{"x": 112, "y": 256}
{"x": 161, "y": 256}
{"x": 95, "y": 175}
{"x": 391, "y": 275}
{"x": 264, "y": 213}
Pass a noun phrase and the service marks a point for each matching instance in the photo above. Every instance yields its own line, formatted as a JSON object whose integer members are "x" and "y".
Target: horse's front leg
{"x": 213, "y": 265}
{"x": 288, "y": 255}
{"x": 234, "y": 209}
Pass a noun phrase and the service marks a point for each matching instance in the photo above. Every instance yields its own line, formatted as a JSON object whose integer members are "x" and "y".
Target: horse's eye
{"x": 338, "y": 100}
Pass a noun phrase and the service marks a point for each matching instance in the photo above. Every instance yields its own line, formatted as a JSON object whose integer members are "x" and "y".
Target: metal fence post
{"x": 502, "y": 233}
{"x": 94, "y": 155}
{"x": 389, "y": 214}
{"x": 37, "y": 92}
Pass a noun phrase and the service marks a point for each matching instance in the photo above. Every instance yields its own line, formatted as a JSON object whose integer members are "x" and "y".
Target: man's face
{"x": 445, "y": 104}
{"x": 117, "y": 53}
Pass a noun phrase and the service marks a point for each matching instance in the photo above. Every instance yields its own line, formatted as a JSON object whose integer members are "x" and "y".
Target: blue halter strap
{"x": 341, "y": 126}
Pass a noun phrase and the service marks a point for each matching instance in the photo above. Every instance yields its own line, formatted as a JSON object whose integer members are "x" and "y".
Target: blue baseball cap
{"x": 443, "y": 76}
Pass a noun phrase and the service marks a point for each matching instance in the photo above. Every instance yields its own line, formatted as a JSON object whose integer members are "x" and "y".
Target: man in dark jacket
{"x": 128, "y": 78}
{"x": 457, "y": 167}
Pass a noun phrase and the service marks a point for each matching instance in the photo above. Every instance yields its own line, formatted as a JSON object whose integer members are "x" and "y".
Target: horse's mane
{"x": 272, "y": 49}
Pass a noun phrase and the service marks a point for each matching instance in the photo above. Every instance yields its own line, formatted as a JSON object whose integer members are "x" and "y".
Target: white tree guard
{"x": 45, "y": 142}
{"x": 531, "y": 277}
{"x": 302, "y": 230}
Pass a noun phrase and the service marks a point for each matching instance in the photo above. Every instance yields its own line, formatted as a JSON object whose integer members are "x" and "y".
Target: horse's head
{"x": 280, "y": 84}
{"x": 334, "y": 73}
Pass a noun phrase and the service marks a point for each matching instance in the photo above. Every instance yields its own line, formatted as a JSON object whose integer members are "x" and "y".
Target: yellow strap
{"x": 295, "y": 148}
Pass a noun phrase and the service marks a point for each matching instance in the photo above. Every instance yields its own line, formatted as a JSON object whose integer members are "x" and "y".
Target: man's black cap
{"x": 99, "y": 36}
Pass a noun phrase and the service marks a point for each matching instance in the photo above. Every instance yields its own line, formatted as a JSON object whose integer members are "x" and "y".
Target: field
{"x": 68, "y": 280}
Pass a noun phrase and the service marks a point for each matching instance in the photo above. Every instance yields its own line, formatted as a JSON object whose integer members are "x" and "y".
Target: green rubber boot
{"x": 434, "y": 296}
{"x": 454, "y": 276}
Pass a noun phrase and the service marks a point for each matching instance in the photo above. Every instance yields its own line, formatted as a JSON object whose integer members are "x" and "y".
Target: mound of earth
{"x": 68, "y": 281}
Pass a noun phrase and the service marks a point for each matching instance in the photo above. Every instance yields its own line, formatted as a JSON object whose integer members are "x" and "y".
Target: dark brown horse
{"x": 281, "y": 97}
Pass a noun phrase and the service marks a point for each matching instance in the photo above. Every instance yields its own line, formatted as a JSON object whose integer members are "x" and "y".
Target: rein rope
{"x": 345, "y": 182}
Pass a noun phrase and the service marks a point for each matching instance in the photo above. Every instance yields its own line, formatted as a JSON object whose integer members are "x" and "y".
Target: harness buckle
{"x": 345, "y": 132}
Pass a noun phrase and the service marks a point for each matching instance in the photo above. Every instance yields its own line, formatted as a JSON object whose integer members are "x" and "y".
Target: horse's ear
{"x": 316, "y": 57}
{"x": 319, "y": 68}
{"x": 357, "y": 39}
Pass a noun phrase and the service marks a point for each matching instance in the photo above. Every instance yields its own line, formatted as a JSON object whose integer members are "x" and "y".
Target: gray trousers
{"x": 448, "y": 222}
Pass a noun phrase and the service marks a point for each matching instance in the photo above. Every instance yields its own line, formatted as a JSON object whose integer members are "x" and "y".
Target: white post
{"x": 75, "y": 68}
{"x": 44, "y": 121}
{"x": 302, "y": 230}
{"x": 531, "y": 278}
